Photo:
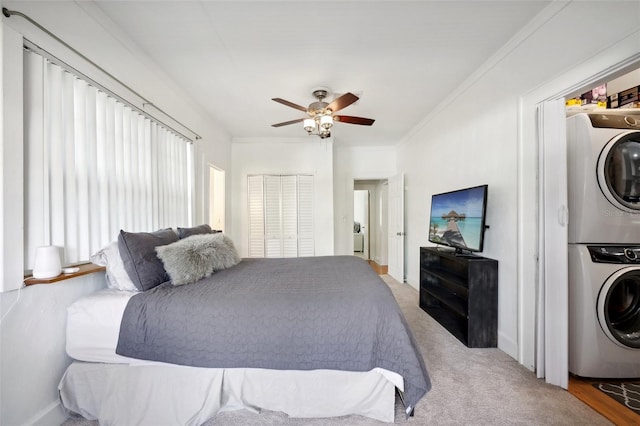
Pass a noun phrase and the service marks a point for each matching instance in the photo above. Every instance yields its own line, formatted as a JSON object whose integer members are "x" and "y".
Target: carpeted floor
{"x": 470, "y": 386}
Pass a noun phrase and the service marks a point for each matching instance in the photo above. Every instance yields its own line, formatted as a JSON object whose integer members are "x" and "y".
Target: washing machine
{"x": 603, "y": 175}
{"x": 604, "y": 310}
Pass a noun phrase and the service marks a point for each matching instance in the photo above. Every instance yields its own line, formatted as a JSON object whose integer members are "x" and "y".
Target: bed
{"x": 311, "y": 337}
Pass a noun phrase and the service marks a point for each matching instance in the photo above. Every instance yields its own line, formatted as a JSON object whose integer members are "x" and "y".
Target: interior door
{"x": 553, "y": 301}
{"x": 396, "y": 227}
{"x": 361, "y": 222}
{"x": 367, "y": 227}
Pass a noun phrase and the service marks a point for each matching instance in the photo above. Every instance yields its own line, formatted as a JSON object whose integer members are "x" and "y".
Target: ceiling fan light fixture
{"x": 309, "y": 124}
{"x": 326, "y": 121}
{"x": 320, "y": 118}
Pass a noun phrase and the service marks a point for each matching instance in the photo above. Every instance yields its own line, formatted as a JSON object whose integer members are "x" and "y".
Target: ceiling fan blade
{"x": 342, "y": 102}
{"x": 289, "y": 104}
{"x": 353, "y": 120}
{"x": 286, "y": 123}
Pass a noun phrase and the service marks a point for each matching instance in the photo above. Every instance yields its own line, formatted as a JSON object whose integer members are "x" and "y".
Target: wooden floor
{"x": 380, "y": 269}
{"x": 599, "y": 401}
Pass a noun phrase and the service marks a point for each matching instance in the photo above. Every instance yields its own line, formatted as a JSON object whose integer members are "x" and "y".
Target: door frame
{"x": 216, "y": 194}
{"x": 381, "y": 253}
{"x": 597, "y": 70}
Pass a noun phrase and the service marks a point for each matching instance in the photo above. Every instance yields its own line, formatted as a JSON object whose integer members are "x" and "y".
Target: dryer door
{"x": 619, "y": 307}
{"x": 619, "y": 171}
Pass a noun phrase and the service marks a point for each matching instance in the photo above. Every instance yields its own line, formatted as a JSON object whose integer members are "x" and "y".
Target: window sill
{"x": 85, "y": 268}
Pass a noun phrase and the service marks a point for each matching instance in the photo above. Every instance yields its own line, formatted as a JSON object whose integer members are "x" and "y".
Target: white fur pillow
{"x": 197, "y": 256}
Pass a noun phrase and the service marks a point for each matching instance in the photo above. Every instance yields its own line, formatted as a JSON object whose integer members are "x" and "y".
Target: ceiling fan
{"x": 321, "y": 114}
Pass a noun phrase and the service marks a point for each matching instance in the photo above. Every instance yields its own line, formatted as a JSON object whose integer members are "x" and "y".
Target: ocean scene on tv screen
{"x": 456, "y": 218}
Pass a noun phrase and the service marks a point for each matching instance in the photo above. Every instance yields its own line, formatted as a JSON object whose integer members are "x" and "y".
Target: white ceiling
{"x": 401, "y": 57}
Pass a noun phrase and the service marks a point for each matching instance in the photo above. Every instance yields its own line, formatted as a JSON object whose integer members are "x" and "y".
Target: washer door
{"x": 619, "y": 307}
{"x": 619, "y": 171}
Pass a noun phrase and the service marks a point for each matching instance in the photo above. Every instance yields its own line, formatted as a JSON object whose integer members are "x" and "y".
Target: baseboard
{"x": 53, "y": 414}
{"x": 507, "y": 345}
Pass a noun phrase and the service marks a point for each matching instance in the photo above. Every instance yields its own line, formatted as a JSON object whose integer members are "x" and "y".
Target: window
{"x": 95, "y": 165}
{"x": 280, "y": 216}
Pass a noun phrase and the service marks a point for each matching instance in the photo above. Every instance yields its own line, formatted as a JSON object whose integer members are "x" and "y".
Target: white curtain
{"x": 552, "y": 357}
{"x": 94, "y": 165}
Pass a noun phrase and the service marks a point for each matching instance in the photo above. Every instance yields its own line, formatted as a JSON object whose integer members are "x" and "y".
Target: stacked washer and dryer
{"x": 604, "y": 243}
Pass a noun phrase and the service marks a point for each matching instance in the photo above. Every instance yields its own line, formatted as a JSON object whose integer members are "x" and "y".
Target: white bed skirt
{"x": 161, "y": 394}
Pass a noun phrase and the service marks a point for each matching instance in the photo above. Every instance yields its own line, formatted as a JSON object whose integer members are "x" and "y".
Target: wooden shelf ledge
{"x": 85, "y": 268}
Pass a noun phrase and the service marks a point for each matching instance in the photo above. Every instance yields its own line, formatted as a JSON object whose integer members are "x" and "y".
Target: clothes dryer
{"x": 603, "y": 174}
{"x": 604, "y": 310}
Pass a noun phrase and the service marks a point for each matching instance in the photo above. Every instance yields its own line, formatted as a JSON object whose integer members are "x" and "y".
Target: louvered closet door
{"x": 305, "y": 216}
{"x": 280, "y": 216}
{"x": 289, "y": 216}
{"x": 255, "y": 191}
{"x": 272, "y": 216}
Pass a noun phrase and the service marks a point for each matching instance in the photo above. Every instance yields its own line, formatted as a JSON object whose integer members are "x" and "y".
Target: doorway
{"x": 361, "y": 199}
{"x": 370, "y": 206}
{"x": 542, "y": 355}
{"x": 216, "y": 198}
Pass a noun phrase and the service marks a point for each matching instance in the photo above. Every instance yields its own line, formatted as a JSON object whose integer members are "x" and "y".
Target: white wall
{"x": 473, "y": 139}
{"x": 350, "y": 164}
{"x": 33, "y": 358}
{"x": 32, "y": 354}
{"x": 450, "y": 157}
{"x": 304, "y": 155}
{"x": 11, "y": 158}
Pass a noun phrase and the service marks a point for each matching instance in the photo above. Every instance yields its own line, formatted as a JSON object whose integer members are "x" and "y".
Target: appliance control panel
{"x": 615, "y": 254}
{"x": 621, "y": 119}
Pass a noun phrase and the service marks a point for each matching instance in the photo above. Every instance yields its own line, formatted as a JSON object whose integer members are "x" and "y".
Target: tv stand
{"x": 455, "y": 251}
{"x": 461, "y": 293}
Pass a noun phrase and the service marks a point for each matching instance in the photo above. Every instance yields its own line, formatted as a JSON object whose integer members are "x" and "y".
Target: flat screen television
{"x": 458, "y": 219}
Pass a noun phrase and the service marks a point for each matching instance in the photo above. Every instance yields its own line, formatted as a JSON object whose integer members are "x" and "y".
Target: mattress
{"x": 93, "y": 327}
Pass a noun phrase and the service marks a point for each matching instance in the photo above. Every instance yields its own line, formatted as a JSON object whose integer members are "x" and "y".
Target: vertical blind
{"x": 280, "y": 215}
{"x": 94, "y": 165}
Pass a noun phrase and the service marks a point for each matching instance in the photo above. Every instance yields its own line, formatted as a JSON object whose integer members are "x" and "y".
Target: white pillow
{"x": 117, "y": 277}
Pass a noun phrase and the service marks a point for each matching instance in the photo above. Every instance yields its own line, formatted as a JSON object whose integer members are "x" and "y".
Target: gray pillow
{"x": 196, "y": 230}
{"x": 198, "y": 256}
{"x": 137, "y": 250}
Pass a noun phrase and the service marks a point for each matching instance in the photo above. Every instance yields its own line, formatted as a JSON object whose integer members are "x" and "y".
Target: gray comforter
{"x": 308, "y": 313}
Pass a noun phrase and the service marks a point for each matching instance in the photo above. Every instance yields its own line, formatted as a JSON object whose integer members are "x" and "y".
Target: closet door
{"x": 255, "y": 192}
{"x": 289, "y": 214}
{"x": 280, "y": 216}
{"x": 305, "y": 216}
{"x": 272, "y": 216}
